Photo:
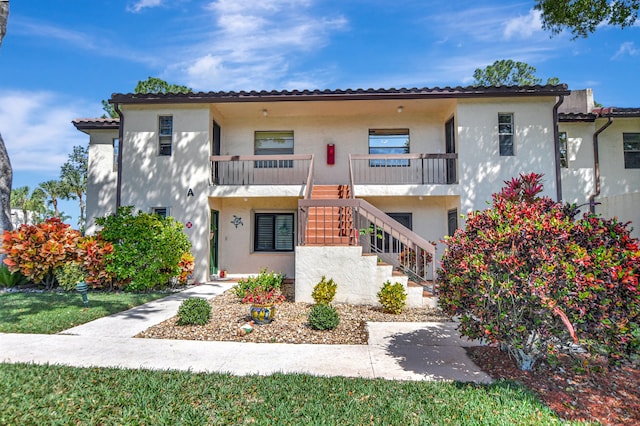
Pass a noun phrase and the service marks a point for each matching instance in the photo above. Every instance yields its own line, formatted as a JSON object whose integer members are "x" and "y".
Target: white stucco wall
{"x": 101, "y": 177}
{"x": 236, "y": 254}
{"x": 578, "y": 177}
{"x": 481, "y": 169}
{"x": 150, "y": 180}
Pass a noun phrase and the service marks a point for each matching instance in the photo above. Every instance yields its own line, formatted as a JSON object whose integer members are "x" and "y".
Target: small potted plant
{"x": 263, "y": 304}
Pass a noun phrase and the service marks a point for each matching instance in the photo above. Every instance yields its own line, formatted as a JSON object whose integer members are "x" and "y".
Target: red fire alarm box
{"x": 331, "y": 153}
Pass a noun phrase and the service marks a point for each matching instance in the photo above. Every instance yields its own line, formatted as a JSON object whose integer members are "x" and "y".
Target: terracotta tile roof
{"x": 339, "y": 94}
{"x": 96, "y": 123}
{"x": 596, "y": 113}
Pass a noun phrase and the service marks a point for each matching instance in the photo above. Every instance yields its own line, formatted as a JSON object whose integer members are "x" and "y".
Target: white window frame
{"x": 385, "y": 139}
{"x": 563, "y": 139}
{"x": 504, "y": 134}
{"x": 287, "y": 136}
{"x": 165, "y": 135}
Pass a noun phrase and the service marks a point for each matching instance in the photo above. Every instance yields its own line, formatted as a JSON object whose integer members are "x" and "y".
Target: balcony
{"x": 261, "y": 169}
{"x": 403, "y": 169}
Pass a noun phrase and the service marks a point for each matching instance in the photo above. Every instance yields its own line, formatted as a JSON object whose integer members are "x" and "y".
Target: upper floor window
{"x": 562, "y": 140}
{"x": 631, "y": 146}
{"x": 273, "y": 143}
{"x": 116, "y": 150}
{"x": 389, "y": 141}
{"x": 165, "y": 132}
{"x": 273, "y": 232}
{"x": 505, "y": 134}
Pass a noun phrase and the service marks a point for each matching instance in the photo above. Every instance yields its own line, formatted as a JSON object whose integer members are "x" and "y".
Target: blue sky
{"x": 60, "y": 58}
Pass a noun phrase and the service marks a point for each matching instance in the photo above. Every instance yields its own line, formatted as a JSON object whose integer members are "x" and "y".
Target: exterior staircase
{"x": 329, "y": 225}
{"x": 331, "y": 247}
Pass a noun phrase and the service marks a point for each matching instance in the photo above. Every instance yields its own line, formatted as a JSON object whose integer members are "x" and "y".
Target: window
{"x": 452, "y": 222}
{"x": 116, "y": 150}
{"x": 505, "y": 134}
{"x": 273, "y": 143}
{"x": 389, "y": 141}
{"x": 160, "y": 211}
{"x": 165, "y": 134}
{"x": 383, "y": 242}
{"x": 631, "y": 146}
{"x": 273, "y": 232}
{"x": 564, "y": 160}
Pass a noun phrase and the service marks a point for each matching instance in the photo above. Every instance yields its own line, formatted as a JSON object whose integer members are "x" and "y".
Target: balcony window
{"x": 389, "y": 141}
{"x": 631, "y": 146}
{"x": 273, "y": 143}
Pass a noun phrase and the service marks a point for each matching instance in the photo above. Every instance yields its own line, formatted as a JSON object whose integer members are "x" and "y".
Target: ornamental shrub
{"x": 194, "y": 311}
{"x": 11, "y": 279}
{"x": 392, "y": 297}
{"x": 324, "y": 292}
{"x": 69, "y": 275}
{"x": 323, "y": 317}
{"x": 92, "y": 255}
{"x": 37, "y": 251}
{"x": 263, "y": 282}
{"x": 528, "y": 276}
{"x": 147, "y": 248}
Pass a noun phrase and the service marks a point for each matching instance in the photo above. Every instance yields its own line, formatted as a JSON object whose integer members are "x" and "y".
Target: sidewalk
{"x": 397, "y": 351}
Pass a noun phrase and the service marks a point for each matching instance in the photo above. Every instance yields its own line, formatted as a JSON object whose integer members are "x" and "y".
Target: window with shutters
{"x": 274, "y": 232}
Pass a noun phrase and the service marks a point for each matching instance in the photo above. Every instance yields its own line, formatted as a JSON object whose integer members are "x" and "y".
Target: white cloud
{"x": 627, "y": 48}
{"x": 141, "y": 4}
{"x": 37, "y": 130}
{"x": 523, "y": 26}
{"x": 254, "y": 44}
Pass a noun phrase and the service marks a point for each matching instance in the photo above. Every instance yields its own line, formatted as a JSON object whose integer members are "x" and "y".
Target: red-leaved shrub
{"x": 528, "y": 276}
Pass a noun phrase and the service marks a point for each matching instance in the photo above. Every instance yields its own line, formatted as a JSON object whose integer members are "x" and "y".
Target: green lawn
{"x": 51, "y": 312}
{"x": 34, "y": 394}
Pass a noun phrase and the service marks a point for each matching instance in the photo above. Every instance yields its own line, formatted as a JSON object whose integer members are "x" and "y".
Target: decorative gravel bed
{"x": 290, "y": 324}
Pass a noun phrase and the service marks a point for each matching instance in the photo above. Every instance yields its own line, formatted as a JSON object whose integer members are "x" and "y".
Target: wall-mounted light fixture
{"x": 265, "y": 112}
{"x": 400, "y": 108}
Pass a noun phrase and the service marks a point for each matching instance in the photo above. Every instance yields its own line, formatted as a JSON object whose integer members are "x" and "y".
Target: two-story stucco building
{"x": 310, "y": 182}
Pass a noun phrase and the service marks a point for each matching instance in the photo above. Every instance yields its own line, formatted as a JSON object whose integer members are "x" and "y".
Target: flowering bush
{"x": 92, "y": 255}
{"x": 528, "y": 276}
{"x": 37, "y": 251}
{"x": 264, "y": 297}
{"x": 186, "y": 267}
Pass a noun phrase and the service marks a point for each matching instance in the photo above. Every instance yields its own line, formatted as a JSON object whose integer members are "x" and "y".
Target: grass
{"x": 51, "y": 312}
{"x": 46, "y": 394}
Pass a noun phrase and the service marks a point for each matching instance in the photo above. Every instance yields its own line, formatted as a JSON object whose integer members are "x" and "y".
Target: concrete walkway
{"x": 398, "y": 351}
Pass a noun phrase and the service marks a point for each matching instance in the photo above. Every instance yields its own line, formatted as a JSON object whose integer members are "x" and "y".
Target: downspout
{"x": 556, "y": 144}
{"x": 121, "y": 143}
{"x": 596, "y": 164}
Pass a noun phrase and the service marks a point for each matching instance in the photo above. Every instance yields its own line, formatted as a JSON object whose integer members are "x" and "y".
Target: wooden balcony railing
{"x": 261, "y": 169}
{"x": 409, "y": 169}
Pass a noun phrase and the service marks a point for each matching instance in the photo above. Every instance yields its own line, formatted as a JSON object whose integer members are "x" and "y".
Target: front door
{"x": 213, "y": 243}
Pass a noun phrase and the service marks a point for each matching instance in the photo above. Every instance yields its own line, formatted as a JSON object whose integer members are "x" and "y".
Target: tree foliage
{"x": 506, "y": 72}
{"x": 147, "y": 249}
{"x": 73, "y": 175}
{"x": 527, "y": 275}
{"x": 582, "y": 17}
{"x": 150, "y": 85}
{"x": 54, "y": 190}
{"x": 31, "y": 204}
